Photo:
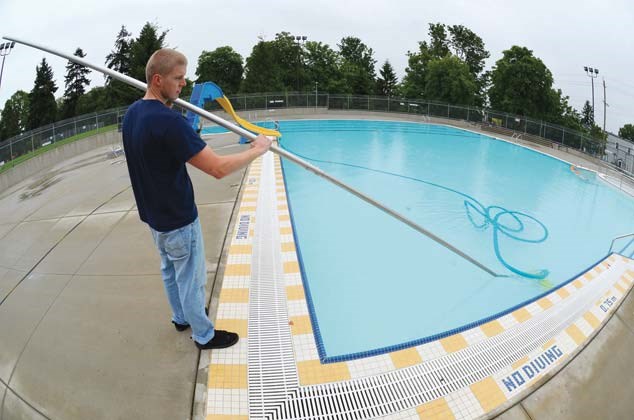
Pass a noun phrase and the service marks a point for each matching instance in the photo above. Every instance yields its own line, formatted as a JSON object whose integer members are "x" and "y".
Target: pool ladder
{"x": 626, "y": 246}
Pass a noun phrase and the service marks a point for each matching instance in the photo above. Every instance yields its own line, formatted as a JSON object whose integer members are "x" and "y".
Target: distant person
{"x": 158, "y": 142}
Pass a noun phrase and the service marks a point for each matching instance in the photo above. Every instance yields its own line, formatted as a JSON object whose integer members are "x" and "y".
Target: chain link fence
{"x": 60, "y": 132}
{"x": 499, "y": 122}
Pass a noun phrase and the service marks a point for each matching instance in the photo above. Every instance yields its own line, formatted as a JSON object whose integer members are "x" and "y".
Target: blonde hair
{"x": 163, "y": 62}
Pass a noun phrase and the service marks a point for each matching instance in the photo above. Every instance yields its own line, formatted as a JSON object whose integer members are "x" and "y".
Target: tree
{"x": 455, "y": 40}
{"x": 386, "y": 83}
{"x": 449, "y": 80}
{"x": 261, "y": 70}
{"x": 522, "y": 84}
{"x": 42, "y": 105}
{"x": 143, "y": 47}
{"x": 587, "y": 115}
{"x": 627, "y": 132}
{"x": 357, "y": 65}
{"x": 15, "y": 115}
{"x": 222, "y": 66}
{"x": 76, "y": 82}
{"x": 323, "y": 66}
{"x": 119, "y": 93}
{"x": 119, "y": 58}
{"x": 96, "y": 99}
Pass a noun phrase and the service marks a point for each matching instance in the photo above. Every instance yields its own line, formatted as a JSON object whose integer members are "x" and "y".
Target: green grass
{"x": 41, "y": 150}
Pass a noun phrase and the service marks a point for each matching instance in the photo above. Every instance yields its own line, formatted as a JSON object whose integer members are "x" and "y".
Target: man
{"x": 158, "y": 142}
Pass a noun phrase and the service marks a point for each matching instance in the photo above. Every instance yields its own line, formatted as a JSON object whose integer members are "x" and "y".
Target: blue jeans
{"x": 184, "y": 276}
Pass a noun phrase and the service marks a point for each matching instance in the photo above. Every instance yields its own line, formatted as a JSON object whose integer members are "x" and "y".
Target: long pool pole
{"x": 249, "y": 135}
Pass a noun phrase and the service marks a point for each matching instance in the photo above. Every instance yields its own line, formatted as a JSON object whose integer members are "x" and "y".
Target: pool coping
{"x": 229, "y": 389}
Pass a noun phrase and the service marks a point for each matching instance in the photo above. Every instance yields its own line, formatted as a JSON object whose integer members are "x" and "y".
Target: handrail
{"x": 619, "y": 237}
{"x": 247, "y": 134}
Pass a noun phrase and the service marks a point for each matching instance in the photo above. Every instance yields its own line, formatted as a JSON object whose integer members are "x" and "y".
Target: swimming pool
{"x": 374, "y": 283}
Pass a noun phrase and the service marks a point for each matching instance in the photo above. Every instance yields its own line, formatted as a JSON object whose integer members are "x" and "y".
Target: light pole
{"x": 299, "y": 39}
{"x": 592, "y": 74}
{"x": 5, "y": 49}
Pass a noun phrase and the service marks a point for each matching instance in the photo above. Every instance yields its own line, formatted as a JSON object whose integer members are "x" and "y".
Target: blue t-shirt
{"x": 158, "y": 142}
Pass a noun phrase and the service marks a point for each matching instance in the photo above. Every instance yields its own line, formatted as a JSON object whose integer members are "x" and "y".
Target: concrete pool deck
{"x": 84, "y": 324}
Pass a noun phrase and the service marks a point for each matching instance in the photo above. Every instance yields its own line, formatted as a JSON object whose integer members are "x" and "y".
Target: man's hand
{"x": 261, "y": 144}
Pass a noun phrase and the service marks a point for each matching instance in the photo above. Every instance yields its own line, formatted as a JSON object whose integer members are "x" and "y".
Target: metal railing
{"x": 517, "y": 126}
{"x": 621, "y": 237}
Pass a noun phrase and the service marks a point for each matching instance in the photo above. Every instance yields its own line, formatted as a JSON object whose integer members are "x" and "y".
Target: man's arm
{"x": 220, "y": 166}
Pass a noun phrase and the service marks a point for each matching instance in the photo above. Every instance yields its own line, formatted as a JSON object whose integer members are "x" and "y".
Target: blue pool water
{"x": 374, "y": 283}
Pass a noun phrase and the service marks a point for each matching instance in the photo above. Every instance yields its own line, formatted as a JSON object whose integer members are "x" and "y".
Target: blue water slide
{"x": 203, "y": 92}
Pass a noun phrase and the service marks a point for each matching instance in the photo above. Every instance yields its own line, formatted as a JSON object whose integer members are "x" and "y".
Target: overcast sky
{"x": 565, "y": 35}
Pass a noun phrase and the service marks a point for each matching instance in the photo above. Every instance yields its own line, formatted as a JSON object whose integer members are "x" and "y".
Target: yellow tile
{"x": 563, "y": 293}
{"x": 249, "y": 199}
{"x": 620, "y": 288}
{"x": 240, "y": 249}
{"x": 239, "y": 326}
{"x": 251, "y": 233}
{"x": 598, "y": 269}
{"x": 454, "y": 343}
{"x": 626, "y": 279}
{"x": 300, "y": 325}
{"x": 237, "y": 295}
{"x": 238, "y": 270}
{"x": 288, "y": 247}
{"x": 520, "y": 362}
{"x": 578, "y": 283}
{"x": 592, "y": 320}
{"x": 291, "y": 267}
{"x": 548, "y": 344}
{"x": 545, "y": 303}
{"x": 287, "y": 230}
{"x": 284, "y": 217}
{"x": 436, "y": 409}
{"x": 575, "y": 333}
{"x": 405, "y": 358}
{"x": 588, "y": 276}
{"x": 295, "y": 292}
{"x": 282, "y": 207}
{"x": 227, "y": 376}
{"x": 522, "y": 315}
{"x": 226, "y": 417}
{"x": 488, "y": 394}
{"x": 280, "y": 189}
{"x": 312, "y": 372}
{"x": 492, "y": 328}
{"x": 630, "y": 273}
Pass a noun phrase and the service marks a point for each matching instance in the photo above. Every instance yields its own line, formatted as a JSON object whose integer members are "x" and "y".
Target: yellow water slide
{"x": 226, "y": 105}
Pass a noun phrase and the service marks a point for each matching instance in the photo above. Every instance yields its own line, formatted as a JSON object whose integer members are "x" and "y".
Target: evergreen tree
{"x": 118, "y": 93}
{"x": 143, "y": 47}
{"x": 387, "y": 82}
{"x": 76, "y": 82}
{"x": 42, "y": 105}
{"x": 119, "y": 58}
{"x": 14, "y": 116}
{"x": 587, "y": 115}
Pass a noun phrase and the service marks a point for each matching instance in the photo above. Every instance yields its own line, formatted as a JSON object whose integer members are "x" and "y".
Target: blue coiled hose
{"x": 491, "y": 216}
